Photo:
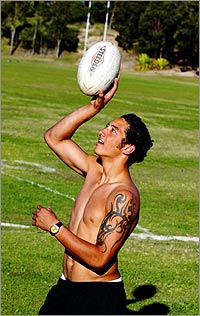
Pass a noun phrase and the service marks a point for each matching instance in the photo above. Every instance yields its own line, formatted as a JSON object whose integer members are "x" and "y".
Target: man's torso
{"x": 87, "y": 215}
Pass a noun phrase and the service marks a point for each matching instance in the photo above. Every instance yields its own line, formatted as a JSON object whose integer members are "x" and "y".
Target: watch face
{"x": 54, "y": 229}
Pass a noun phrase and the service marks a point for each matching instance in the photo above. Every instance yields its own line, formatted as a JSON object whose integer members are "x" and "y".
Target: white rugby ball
{"x": 98, "y": 68}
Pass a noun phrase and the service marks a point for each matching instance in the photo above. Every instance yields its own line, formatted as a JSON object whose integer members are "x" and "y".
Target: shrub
{"x": 160, "y": 63}
{"x": 143, "y": 62}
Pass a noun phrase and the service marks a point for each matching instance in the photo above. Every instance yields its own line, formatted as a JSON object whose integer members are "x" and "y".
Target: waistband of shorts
{"x": 62, "y": 277}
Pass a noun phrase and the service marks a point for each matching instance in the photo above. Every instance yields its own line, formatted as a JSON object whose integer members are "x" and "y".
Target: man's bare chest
{"x": 90, "y": 205}
{"x": 95, "y": 209}
{"x": 91, "y": 201}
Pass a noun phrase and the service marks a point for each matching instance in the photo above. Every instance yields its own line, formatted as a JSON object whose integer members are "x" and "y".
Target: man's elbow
{"x": 46, "y": 135}
{"x": 101, "y": 266}
{"x": 49, "y": 139}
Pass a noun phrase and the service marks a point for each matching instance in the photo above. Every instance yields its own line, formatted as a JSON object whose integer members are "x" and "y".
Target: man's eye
{"x": 113, "y": 130}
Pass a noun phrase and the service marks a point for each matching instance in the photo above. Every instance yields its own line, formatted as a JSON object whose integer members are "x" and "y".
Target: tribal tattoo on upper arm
{"x": 119, "y": 219}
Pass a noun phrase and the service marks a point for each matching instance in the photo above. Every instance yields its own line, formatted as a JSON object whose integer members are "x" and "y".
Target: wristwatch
{"x": 54, "y": 229}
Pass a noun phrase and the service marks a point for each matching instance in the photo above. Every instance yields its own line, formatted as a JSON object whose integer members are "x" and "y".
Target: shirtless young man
{"x": 103, "y": 216}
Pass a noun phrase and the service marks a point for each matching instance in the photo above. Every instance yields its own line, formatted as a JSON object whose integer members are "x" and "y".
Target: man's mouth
{"x": 100, "y": 141}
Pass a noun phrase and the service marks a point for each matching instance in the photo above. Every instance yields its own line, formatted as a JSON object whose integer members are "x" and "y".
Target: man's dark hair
{"x": 138, "y": 135}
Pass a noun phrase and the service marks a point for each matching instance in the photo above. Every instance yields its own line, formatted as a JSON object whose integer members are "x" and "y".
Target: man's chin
{"x": 96, "y": 150}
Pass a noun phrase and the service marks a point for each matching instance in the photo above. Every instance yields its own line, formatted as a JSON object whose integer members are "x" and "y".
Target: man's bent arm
{"x": 58, "y": 137}
{"x": 115, "y": 228}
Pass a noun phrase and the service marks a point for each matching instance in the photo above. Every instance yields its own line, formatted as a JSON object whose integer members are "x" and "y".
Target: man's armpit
{"x": 119, "y": 220}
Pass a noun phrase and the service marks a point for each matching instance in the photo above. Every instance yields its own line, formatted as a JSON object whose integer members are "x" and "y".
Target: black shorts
{"x": 85, "y": 298}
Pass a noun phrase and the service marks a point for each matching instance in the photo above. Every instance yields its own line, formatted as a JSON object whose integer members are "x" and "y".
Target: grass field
{"x": 159, "y": 263}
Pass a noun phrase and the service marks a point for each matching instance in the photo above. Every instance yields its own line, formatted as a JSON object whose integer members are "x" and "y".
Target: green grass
{"x": 160, "y": 277}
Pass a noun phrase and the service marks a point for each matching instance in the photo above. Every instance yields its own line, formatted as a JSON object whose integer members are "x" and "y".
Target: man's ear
{"x": 128, "y": 149}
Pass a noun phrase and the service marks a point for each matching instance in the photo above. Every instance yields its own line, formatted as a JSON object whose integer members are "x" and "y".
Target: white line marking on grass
{"x": 164, "y": 238}
{"x": 38, "y": 165}
{"x": 147, "y": 234}
{"x": 40, "y": 186}
{"x": 14, "y": 225}
{"x": 22, "y": 162}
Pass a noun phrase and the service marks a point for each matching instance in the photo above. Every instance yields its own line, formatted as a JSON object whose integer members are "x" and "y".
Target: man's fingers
{"x": 100, "y": 94}
{"x": 34, "y": 218}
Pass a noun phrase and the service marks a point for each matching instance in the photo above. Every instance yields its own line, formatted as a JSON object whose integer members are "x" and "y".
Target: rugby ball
{"x": 98, "y": 68}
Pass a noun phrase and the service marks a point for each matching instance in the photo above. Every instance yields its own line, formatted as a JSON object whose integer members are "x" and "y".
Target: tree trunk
{"x": 58, "y": 48}
{"x": 111, "y": 18}
{"x": 13, "y": 30}
{"x": 161, "y": 49}
{"x": 41, "y": 44}
{"x": 34, "y": 36}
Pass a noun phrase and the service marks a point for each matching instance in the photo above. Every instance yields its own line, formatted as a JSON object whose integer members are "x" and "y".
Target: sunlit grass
{"x": 36, "y": 94}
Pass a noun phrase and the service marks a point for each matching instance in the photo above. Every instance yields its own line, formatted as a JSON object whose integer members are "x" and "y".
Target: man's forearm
{"x": 66, "y": 127}
{"x": 86, "y": 253}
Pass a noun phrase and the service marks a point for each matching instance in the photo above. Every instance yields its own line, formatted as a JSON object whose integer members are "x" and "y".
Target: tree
{"x": 186, "y": 36}
{"x": 61, "y": 15}
{"x": 98, "y": 11}
{"x": 170, "y": 29}
{"x": 39, "y": 8}
{"x": 153, "y": 26}
{"x": 14, "y": 15}
{"x": 42, "y": 25}
{"x": 161, "y": 29}
{"x": 126, "y": 20}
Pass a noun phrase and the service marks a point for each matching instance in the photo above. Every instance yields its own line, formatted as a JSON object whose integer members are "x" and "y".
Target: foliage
{"x": 167, "y": 29}
{"x": 186, "y": 35}
{"x": 14, "y": 16}
{"x": 154, "y": 27}
{"x": 160, "y": 63}
{"x": 143, "y": 62}
{"x": 126, "y": 21}
{"x": 98, "y": 11}
{"x": 47, "y": 27}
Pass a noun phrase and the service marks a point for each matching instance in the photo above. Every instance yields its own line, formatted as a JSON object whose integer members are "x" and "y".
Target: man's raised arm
{"x": 58, "y": 137}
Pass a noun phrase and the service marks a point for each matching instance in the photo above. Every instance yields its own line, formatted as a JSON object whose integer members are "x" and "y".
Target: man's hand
{"x": 103, "y": 98}
{"x": 44, "y": 218}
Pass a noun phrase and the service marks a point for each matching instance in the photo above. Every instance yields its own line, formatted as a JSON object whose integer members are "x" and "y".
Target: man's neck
{"x": 114, "y": 171}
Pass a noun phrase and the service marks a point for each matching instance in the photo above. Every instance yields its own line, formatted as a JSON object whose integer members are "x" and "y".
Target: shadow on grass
{"x": 144, "y": 292}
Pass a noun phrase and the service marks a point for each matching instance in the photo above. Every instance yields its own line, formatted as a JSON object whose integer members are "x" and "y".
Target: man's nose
{"x": 102, "y": 131}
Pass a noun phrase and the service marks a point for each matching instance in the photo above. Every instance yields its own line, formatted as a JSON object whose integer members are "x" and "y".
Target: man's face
{"x": 111, "y": 138}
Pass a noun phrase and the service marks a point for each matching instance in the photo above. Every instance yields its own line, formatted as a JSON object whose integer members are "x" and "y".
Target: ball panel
{"x": 98, "y": 68}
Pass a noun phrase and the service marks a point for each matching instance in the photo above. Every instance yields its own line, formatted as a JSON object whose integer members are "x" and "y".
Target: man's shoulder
{"x": 123, "y": 192}
{"x": 125, "y": 189}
